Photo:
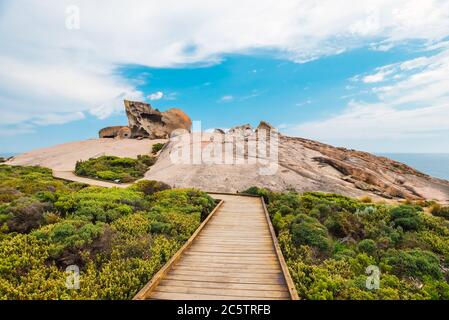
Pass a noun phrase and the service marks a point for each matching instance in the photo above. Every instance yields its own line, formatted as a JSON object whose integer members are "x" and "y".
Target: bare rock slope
{"x": 302, "y": 164}
{"x": 63, "y": 157}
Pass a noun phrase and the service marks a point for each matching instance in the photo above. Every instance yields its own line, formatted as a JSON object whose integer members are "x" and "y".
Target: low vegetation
{"x": 157, "y": 147}
{"x": 110, "y": 168}
{"x": 440, "y": 211}
{"x": 118, "y": 238}
{"x": 329, "y": 241}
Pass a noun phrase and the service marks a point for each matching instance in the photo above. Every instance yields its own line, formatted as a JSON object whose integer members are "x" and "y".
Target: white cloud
{"x": 171, "y": 96}
{"x": 46, "y": 68}
{"x": 156, "y": 95}
{"x": 377, "y": 77}
{"x": 413, "y": 108}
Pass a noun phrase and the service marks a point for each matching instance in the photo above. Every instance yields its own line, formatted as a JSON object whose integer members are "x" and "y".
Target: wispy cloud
{"x": 379, "y": 76}
{"x": 304, "y": 103}
{"x": 413, "y": 104}
{"x": 57, "y": 118}
{"x": 226, "y": 98}
{"x": 156, "y": 95}
{"x": 45, "y": 68}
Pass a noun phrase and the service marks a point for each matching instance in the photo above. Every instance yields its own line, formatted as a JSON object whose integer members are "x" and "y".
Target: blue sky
{"x": 360, "y": 77}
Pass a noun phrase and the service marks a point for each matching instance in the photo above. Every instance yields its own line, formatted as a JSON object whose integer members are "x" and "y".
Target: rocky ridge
{"x": 304, "y": 165}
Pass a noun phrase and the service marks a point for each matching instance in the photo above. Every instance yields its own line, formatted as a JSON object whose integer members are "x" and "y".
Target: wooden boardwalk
{"x": 233, "y": 255}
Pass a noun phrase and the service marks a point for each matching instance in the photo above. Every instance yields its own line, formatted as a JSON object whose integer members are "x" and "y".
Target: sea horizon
{"x": 433, "y": 164}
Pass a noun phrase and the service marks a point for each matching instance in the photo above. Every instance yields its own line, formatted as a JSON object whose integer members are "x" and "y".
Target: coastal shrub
{"x": 26, "y": 214}
{"x": 407, "y": 217}
{"x": 109, "y": 175}
{"x": 366, "y": 199}
{"x": 413, "y": 263}
{"x": 367, "y": 246}
{"x": 115, "y": 169}
{"x": 148, "y": 187}
{"x": 157, "y": 147}
{"x": 118, "y": 237}
{"x": 262, "y": 192}
{"x": 410, "y": 248}
{"x": 67, "y": 239}
{"x": 344, "y": 224}
{"x": 440, "y": 211}
{"x": 309, "y": 231}
{"x": 146, "y": 160}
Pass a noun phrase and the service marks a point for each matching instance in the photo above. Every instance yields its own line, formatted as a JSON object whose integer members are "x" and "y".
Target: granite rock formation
{"x": 303, "y": 165}
{"x": 244, "y": 130}
{"x": 146, "y": 122}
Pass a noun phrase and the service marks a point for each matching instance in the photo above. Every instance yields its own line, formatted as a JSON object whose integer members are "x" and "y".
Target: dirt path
{"x": 70, "y": 176}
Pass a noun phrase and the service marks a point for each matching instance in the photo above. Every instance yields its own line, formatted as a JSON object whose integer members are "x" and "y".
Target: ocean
{"x": 433, "y": 164}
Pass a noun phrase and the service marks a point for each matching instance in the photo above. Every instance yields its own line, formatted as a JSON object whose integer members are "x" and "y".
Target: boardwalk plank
{"x": 232, "y": 257}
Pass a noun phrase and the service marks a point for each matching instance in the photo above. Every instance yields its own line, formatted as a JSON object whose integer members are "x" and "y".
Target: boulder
{"x": 121, "y": 132}
{"x": 219, "y": 131}
{"x": 124, "y": 133}
{"x": 264, "y": 130}
{"x": 244, "y": 130}
{"x": 146, "y": 122}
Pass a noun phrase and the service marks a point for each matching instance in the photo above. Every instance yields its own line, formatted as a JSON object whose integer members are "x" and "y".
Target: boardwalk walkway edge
{"x": 146, "y": 290}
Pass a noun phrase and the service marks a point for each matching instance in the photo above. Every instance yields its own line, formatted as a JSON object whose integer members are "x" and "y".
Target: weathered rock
{"x": 242, "y": 131}
{"x": 303, "y": 165}
{"x": 124, "y": 133}
{"x": 120, "y": 132}
{"x": 263, "y": 125}
{"x": 144, "y": 121}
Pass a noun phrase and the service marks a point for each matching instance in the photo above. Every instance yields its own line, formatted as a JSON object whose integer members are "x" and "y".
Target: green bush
{"x": 118, "y": 237}
{"x": 148, "y": 187}
{"x": 440, "y": 211}
{"x": 146, "y": 160}
{"x": 406, "y": 217}
{"x": 112, "y": 168}
{"x": 367, "y": 246}
{"x": 26, "y": 214}
{"x": 328, "y": 241}
{"x": 414, "y": 263}
{"x": 344, "y": 224}
{"x": 309, "y": 231}
{"x": 109, "y": 175}
{"x": 255, "y": 191}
